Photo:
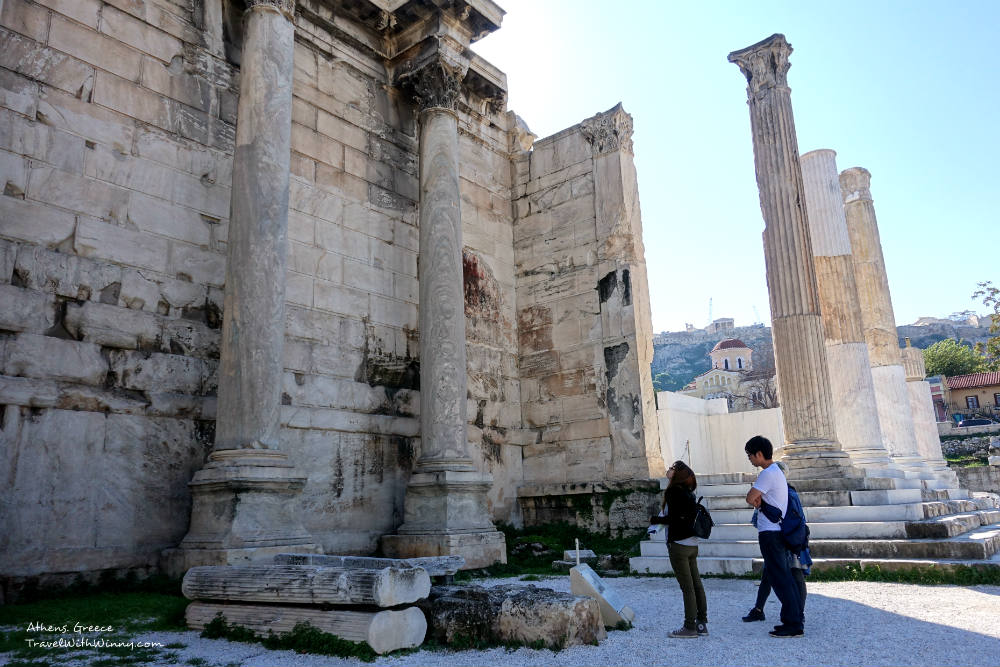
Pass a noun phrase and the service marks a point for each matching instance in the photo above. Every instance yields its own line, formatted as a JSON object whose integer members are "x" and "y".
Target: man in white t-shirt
{"x": 771, "y": 488}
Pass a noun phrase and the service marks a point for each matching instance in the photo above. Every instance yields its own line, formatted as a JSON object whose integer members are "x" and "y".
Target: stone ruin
{"x": 288, "y": 276}
{"x": 283, "y": 275}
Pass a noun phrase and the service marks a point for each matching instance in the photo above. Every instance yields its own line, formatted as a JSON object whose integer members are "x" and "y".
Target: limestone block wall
{"x": 582, "y": 306}
{"x": 117, "y": 122}
{"x": 116, "y": 135}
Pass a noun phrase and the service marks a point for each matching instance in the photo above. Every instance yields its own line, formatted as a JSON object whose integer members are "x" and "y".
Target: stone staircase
{"x": 892, "y": 522}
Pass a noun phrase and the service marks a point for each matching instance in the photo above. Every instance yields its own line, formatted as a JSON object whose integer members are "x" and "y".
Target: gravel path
{"x": 847, "y": 623}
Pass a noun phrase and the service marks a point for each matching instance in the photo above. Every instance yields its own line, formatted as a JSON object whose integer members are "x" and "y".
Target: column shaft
{"x": 443, "y": 374}
{"x": 797, "y": 328}
{"x": 851, "y": 382}
{"x": 243, "y": 507}
{"x": 879, "y": 324}
{"x": 253, "y": 327}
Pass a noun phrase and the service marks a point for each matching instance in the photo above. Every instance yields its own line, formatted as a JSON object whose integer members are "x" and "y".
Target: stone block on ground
{"x": 436, "y": 566}
{"x": 307, "y": 584}
{"x": 586, "y": 556}
{"x": 512, "y": 613}
{"x": 384, "y": 631}
{"x": 584, "y": 581}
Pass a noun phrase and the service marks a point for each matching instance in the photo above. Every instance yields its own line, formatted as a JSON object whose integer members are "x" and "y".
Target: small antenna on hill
{"x": 709, "y": 310}
{"x": 756, "y": 316}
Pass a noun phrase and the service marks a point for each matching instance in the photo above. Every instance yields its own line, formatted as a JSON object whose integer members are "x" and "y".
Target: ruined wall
{"x": 583, "y": 312}
{"x": 116, "y": 139}
{"x": 116, "y": 135}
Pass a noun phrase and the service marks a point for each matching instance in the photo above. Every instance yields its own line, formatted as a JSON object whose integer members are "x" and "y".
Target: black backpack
{"x": 702, "y": 524}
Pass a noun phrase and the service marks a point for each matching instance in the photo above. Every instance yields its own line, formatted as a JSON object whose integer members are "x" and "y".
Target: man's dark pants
{"x": 772, "y": 548}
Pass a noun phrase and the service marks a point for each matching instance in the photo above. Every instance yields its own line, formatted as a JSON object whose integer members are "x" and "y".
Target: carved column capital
{"x": 434, "y": 85}
{"x": 855, "y": 184}
{"x": 609, "y": 131}
{"x": 284, "y": 7}
{"x": 765, "y": 64}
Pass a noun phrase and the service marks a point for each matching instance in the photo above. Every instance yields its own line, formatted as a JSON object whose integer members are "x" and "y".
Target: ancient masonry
{"x": 281, "y": 275}
{"x": 797, "y": 326}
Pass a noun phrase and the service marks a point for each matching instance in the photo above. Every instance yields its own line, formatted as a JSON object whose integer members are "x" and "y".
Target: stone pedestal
{"x": 243, "y": 500}
{"x": 811, "y": 448}
{"x": 853, "y": 390}
{"x": 891, "y": 395}
{"x": 446, "y": 510}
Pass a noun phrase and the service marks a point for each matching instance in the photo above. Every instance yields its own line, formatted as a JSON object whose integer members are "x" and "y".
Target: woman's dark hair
{"x": 759, "y": 443}
{"x": 683, "y": 476}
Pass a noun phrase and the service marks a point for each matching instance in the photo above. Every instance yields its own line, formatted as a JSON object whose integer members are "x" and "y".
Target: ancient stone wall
{"x": 116, "y": 141}
{"x": 116, "y": 135}
{"x": 583, "y": 311}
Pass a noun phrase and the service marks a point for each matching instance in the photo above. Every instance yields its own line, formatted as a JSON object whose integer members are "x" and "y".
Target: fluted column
{"x": 241, "y": 510}
{"x": 445, "y": 510}
{"x": 891, "y": 395}
{"x": 855, "y": 412}
{"x": 811, "y": 447}
{"x": 924, "y": 417}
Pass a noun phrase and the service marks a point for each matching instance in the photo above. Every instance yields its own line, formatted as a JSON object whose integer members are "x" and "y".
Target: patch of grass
{"x": 556, "y": 538}
{"x": 966, "y": 461}
{"x": 67, "y": 617}
{"x": 959, "y": 576}
{"x": 304, "y": 638}
{"x": 531, "y": 577}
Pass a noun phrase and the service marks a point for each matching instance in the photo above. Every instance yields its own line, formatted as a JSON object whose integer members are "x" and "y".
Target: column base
{"x": 242, "y": 511}
{"x": 446, "y": 514}
{"x": 816, "y": 459}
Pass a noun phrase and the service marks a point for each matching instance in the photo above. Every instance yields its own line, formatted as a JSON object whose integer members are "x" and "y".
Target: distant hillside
{"x": 684, "y": 354}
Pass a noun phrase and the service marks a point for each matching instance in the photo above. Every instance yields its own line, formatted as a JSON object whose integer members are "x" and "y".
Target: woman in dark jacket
{"x": 679, "y": 506}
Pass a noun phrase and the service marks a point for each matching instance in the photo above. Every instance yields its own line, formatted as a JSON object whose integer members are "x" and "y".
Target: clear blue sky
{"x": 908, "y": 90}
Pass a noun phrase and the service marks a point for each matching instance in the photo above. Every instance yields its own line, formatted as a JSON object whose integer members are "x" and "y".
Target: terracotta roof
{"x": 729, "y": 343}
{"x": 974, "y": 380}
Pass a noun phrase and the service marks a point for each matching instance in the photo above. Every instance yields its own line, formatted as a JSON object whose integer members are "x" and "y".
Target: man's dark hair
{"x": 759, "y": 443}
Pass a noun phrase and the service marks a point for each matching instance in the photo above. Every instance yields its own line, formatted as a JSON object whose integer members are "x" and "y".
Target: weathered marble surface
{"x": 853, "y": 392}
{"x": 512, "y": 613}
{"x": 308, "y": 584}
{"x": 384, "y": 631}
{"x": 878, "y": 321}
{"x": 797, "y": 328}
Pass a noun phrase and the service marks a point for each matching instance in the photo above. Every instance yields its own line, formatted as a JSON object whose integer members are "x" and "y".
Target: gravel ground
{"x": 847, "y": 623}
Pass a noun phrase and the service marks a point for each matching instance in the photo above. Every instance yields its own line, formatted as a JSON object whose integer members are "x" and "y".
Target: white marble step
{"x": 706, "y": 565}
{"x": 738, "y": 566}
{"x": 721, "y": 548}
{"x": 838, "y": 530}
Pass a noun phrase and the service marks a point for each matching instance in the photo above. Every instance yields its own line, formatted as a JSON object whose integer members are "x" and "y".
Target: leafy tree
{"x": 950, "y": 357}
{"x": 663, "y": 382}
{"x": 991, "y": 349}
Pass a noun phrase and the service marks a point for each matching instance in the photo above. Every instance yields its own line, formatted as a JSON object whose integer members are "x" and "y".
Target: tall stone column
{"x": 241, "y": 498}
{"x": 811, "y": 448}
{"x": 924, "y": 418}
{"x": 855, "y": 412}
{"x": 891, "y": 395}
{"x": 445, "y": 511}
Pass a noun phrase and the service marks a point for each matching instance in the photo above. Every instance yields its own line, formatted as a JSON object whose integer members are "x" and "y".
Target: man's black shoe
{"x": 754, "y": 615}
{"x": 784, "y": 631}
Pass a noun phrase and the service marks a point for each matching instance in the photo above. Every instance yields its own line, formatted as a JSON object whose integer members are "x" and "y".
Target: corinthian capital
{"x": 765, "y": 64}
{"x": 435, "y": 84}
{"x": 284, "y": 7}
{"x": 855, "y": 184}
{"x": 609, "y": 131}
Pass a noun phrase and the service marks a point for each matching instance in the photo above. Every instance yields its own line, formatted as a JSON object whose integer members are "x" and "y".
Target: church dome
{"x": 730, "y": 344}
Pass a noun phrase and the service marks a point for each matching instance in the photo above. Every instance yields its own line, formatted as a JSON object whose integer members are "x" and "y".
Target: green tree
{"x": 990, "y": 351}
{"x": 663, "y": 382}
{"x": 950, "y": 357}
